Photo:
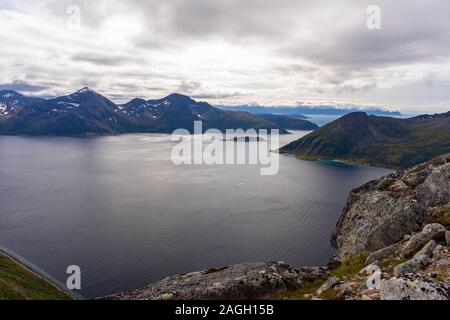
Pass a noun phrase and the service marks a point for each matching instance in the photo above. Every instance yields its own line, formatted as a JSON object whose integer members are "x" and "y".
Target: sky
{"x": 232, "y": 52}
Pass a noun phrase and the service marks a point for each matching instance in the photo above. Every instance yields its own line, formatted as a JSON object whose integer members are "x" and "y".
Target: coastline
{"x": 37, "y": 272}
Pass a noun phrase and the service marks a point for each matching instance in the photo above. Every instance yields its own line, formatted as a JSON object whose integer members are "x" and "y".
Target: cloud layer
{"x": 271, "y": 52}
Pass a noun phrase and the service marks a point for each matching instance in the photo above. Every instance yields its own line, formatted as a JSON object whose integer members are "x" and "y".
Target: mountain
{"x": 86, "y": 113}
{"x": 307, "y": 110}
{"x": 289, "y": 122}
{"x": 378, "y": 141}
{"x": 180, "y": 111}
{"x": 12, "y": 102}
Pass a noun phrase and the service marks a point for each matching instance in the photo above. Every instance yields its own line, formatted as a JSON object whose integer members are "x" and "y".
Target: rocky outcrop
{"x": 238, "y": 282}
{"x": 382, "y": 212}
{"x": 414, "y": 288}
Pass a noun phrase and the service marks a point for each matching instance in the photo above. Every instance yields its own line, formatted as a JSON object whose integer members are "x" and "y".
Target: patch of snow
{"x": 8, "y": 95}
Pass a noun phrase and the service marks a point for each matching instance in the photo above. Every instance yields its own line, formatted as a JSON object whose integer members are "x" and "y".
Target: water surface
{"x": 119, "y": 208}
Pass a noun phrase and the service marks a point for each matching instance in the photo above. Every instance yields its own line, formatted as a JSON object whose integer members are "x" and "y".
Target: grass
{"x": 304, "y": 293}
{"x": 350, "y": 267}
{"x": 18, "y": 283}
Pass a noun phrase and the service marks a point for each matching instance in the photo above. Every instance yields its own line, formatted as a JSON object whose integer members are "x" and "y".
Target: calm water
{"x": 119, "y": 208}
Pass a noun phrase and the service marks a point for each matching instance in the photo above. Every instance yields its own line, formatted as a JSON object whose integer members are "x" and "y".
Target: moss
{"x": 441, "y": 215}
{"x": 309, "y": 288}
{"x": 18, "y": 283}
{"x": 330, "y": 294}
{"x": 350, "y": 266}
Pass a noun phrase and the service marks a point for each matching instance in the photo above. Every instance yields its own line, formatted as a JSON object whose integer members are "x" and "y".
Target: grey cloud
{"x": 22, "y": 86}
{"x": 189, "y": 87}
{"x": 101, "y": 59}
{"x": 215, "y": 96}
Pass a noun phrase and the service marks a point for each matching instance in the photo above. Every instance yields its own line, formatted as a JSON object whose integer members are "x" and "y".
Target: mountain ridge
{"x": 376, "y": 141}
{"x": 87, "y": 112}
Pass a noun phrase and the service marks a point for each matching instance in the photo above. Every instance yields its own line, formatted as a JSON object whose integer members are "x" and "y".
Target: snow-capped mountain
{"x": 12, "y": 102}
{"x": 87, "y": 112}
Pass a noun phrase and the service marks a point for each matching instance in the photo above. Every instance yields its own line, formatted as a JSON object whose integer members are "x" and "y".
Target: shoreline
{"x": 37, "y": 272}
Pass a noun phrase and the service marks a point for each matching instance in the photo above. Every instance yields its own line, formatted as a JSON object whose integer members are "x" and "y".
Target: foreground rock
{"x": 238, "y": 282}
{"x": 414, "y": 288}
{"x": 382, "y": 212}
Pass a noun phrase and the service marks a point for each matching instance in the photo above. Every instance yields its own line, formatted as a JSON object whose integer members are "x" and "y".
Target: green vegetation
{"x": 349, "y": 267}
{"x": 377, "y": 141}
{"x": 441, "y": 215}
{"x": 304, "y": 293}
{"x": 18, "y": 283}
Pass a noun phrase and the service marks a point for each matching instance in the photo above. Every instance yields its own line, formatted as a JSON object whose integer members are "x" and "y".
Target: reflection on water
{"x": 119, "y": 208}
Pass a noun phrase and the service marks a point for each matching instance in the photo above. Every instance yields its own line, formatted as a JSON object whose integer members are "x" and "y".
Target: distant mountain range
{"x": 86, "y": 113}
{"x": 289, "y": 122}
{"x": 378, "y": 141}
{"x": 301, "y": 110}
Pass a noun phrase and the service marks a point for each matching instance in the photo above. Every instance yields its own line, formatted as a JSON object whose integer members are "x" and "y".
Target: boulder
{"x": 381, "y": 212}
{"x": 238, "y": 282}
{"x": 413, "y": 288}
{"x": 330, "y": 283}
{"x": 437, "y": 251}
{"x": 429, "y": 232}
{"x": 427, "y": 250}
{"x": 412, "y": 266}
{"x": 381, "y": 254}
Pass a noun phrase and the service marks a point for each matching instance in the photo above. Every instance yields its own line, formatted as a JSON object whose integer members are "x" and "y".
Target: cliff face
{"x": 382, "y": 212}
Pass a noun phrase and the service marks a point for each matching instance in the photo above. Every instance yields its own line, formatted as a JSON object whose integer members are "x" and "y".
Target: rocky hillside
{"x": 382, "y": 212}
{"x": 377, "y": 141}
{"x": 393, "y": 243}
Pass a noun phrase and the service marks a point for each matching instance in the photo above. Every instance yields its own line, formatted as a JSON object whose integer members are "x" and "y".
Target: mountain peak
{"x": 179, "y": 98}
{"x": 85, "y": 90}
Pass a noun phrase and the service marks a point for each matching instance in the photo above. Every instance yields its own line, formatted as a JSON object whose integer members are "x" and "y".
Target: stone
{"x": 413, "y": 288}
{"x": 334, "y": 262}
{"x": 427, "y": 250}
{"x": 443, "y": 263}
{"x": 381, "y": 254}
{"x": 330, "y": 283}
{"x": 447, "y": 238}
{"x": 434, "y": 231}
{"x": 344, "y": 290}
{"x": 412, "y": 266}
{"x": 437, "y": 251}
{"x": 376, "y": 217}
{"x": 238, "y": 282}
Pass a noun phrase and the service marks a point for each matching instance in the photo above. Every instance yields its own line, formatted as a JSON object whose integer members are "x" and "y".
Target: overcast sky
{"x": 269, "y": 52}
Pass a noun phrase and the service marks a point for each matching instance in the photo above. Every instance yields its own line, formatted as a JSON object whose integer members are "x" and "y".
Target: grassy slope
{"x": 18, "y": 283}
{"x": 377, "y": 141}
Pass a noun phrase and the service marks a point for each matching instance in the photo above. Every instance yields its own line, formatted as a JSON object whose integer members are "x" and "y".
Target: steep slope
{"x": 17, "y": 282}
{"x": 179, "y": 111}
{"x": 383, "y": 211}
{"x": 12, "y": 102}
{"x": 289, "y": 122}
{"x": 84, "y": 112}
{"x": 378, "y": 141}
